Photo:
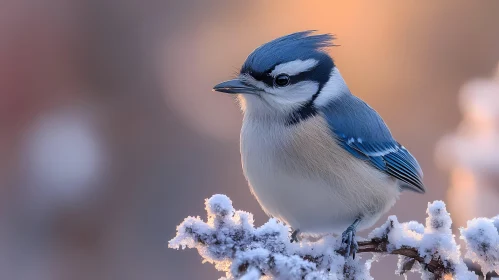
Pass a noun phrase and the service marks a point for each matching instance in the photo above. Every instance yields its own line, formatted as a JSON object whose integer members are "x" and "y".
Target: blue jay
{"x": 316, "y": 156}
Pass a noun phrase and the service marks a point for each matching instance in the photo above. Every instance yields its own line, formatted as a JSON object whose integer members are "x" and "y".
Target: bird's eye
{"x": 281, "y": 80}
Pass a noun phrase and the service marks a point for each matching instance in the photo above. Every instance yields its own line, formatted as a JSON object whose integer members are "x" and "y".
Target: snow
{"x": 438, "y": 240}
{"x": 398, "y": 235}
{"x": 231, "y": 242}
{"x": 482, "y": 241}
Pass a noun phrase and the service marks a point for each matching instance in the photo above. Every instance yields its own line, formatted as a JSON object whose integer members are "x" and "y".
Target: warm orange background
{"x": 142, "y": 71}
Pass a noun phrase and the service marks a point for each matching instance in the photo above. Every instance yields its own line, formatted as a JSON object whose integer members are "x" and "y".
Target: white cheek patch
{"x": 294, "y": 67}
{"x": 334, "y": 88}
{"x": 292, "y": 96}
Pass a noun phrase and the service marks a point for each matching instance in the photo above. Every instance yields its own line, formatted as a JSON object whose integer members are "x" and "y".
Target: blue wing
{"x": 361, "y": 131}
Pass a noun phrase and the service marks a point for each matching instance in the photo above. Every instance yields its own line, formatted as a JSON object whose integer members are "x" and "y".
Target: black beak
{"x": 235, "y": 86}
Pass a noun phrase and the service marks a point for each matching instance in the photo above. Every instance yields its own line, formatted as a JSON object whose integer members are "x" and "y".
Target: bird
{"x": 316, "y": 156}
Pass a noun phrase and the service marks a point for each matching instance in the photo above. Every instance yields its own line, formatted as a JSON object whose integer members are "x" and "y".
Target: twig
{"x": 436, "y": 267}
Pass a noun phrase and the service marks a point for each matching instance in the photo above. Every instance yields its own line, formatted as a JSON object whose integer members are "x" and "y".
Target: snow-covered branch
{"x": 229, "y": 240}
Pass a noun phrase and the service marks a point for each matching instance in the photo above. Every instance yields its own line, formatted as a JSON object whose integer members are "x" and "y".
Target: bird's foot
{"x": 349, "y": 242}
{"x": 348, "y": 239}
{"x": 294, "y": 236}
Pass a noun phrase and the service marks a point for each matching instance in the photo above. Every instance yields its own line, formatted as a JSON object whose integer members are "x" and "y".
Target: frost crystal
{"x": 230, "y": 241}
{"x": 482, "y": 241}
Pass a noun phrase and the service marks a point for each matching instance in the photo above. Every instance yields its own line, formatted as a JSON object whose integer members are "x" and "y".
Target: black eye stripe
{"x": 269, "y": 79}
{"x": 262, "y": 77}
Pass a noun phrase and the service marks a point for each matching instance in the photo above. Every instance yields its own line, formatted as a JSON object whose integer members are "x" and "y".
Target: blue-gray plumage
{"x": 362, "y": 132}
{"x": 315, "y": 156}
{"x": 287, "y": 48}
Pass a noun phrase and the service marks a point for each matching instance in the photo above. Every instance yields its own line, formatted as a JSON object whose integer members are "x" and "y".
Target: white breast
{"x": 300, "y": 175}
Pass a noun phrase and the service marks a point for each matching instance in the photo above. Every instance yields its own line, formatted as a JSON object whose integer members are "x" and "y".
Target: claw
{"x": 294, "y": 236}
{"x": 355, "y": 248}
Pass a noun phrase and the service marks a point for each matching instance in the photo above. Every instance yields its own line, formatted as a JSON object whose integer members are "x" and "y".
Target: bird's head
{"x": 287, "y": 77}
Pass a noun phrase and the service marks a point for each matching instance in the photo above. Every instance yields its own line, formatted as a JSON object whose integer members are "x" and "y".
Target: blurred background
{"x": 110, "y": 134}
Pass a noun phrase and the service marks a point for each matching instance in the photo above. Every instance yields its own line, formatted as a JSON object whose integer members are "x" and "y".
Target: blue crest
{"x": 300, "y": 45}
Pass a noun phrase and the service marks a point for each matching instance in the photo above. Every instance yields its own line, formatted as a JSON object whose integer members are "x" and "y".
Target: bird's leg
{"x": 294, "y": 236}
{"x": 348, "y": 238}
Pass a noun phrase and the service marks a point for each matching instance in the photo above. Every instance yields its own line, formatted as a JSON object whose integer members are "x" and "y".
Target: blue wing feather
{"x": 361, "y": 131}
